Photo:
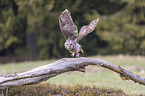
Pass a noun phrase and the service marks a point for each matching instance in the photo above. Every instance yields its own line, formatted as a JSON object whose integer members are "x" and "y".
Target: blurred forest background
{"x": 29, "y": 29}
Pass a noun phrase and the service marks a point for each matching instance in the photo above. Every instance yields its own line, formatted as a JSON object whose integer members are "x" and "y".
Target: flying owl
{"x": 70, "y": 32}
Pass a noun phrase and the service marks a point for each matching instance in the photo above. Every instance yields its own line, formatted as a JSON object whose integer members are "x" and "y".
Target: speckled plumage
{"x": 70, "y": 32}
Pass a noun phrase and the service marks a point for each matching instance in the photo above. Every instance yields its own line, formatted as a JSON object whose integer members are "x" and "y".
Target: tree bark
{"x": 45, "y": 72}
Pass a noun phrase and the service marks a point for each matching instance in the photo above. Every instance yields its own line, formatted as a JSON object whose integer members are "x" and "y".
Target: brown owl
{"x": 70, "y": 32}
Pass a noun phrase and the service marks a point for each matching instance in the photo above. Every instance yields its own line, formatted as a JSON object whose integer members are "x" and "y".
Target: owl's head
{"x": 70, "y": 44}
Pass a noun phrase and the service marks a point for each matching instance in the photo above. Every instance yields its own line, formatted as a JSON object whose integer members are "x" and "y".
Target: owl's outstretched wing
{"x": 67, "y": 27}
{"x": 87, "y": 29}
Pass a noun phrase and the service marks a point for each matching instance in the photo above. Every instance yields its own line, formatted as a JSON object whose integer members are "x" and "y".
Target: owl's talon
{"x": 73, "y": 54}
{"x": 77, "y": 55}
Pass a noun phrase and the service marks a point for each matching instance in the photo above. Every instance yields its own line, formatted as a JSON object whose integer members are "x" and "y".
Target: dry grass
{"x": 55, "y": 90}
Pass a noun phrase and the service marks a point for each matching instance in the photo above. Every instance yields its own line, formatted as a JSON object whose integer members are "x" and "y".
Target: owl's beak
{"x": 70, "y": 47}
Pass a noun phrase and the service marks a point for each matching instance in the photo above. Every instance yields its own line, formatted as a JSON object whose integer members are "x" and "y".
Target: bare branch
{"x": 45, "y": 72}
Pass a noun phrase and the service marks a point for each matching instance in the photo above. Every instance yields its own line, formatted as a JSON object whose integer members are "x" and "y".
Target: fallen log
{"x": 63, "y": 65}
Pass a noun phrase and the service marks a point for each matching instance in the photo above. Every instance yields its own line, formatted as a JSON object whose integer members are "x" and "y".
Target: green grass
{"x": 97, "y": 76}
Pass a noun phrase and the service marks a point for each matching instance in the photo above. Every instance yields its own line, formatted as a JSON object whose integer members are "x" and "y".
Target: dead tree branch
{"x": 45, "y": 72}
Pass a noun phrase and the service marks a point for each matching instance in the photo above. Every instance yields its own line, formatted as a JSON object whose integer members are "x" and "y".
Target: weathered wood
{"x": 45, "y": 72}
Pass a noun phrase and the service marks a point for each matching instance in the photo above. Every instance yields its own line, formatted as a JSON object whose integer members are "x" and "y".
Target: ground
{"x": 94, "y": 76}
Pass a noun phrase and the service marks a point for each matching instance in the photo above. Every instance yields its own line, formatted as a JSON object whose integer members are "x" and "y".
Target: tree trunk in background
{"x": 32, "y": 47}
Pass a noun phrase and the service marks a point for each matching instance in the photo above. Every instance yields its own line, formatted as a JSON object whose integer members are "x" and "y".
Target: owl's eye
{"x": 70, "y": 44}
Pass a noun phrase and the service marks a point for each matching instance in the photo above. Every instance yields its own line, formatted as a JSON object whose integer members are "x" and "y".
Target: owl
{"x": 70, "y": 32}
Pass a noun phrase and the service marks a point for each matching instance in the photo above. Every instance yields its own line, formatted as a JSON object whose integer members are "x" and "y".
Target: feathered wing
{"x": 67, "y": 27}
{"x": 87, "y": 29}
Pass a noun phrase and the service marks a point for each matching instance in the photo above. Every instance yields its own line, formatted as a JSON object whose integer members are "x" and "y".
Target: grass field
{"x": 98, "y": 76}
